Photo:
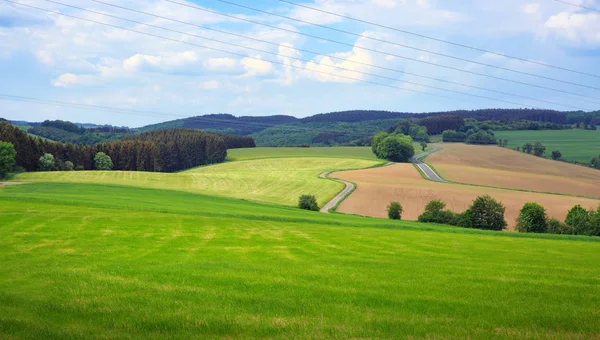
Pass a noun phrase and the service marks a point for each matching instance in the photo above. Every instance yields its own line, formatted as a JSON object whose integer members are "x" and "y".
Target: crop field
{"x": 98, "y": 261}
{"x": 500, "y": 167}
{"x": 576, "y": 145}
{"x": 347, "y": 152}
{"x": 279, "y": 181}
{"x": 403, "y": 183}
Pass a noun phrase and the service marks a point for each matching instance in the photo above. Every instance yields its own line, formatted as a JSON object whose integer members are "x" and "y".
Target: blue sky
{"x": 53, "y": 57}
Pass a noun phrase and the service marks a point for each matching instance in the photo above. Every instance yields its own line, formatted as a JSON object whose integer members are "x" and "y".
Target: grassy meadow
{"x": 270, "y": 180}
{"x": 576, "y": 145}
{"x": 99, "y": 261}
{"x": 347, "y": 152}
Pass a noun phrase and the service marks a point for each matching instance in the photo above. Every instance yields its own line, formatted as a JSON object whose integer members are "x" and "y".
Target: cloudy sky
{"x": 53, "y": 57}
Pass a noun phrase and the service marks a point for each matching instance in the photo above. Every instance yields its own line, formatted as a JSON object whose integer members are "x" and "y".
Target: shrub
{"x": 554, "y": 226}
{"x": 435, "y": 213}
{"x": 487, "y": 213}
{"x": 580, "y": 221}
{"x": 532, "y": 219}
{"x": 463, "y": 219}
{"x": 79, "y": 168}
{"x": 102, "y": 162}
{"x": 47, "y": 162}
{"x": 308, "y": 202}
{"x": 394, "y": 211}
{"x": 7, "y": 158}
{"x": 69, "y": 166}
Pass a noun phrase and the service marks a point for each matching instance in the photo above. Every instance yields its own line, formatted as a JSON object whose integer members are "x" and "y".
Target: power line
{"x": 243, "y": 55}
{"x": 576, "y": 5}
{"x": 447, "y": 41}
{"x": 405, "y": 46}
{"x": 217, "y": 49}
{"x": 141, "y": 112}
{"x": 316, "y": 53}
{"x": 384, "y": 53}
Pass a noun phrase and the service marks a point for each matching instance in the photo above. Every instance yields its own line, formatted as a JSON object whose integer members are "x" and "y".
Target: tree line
{"x": 164, "y": 151}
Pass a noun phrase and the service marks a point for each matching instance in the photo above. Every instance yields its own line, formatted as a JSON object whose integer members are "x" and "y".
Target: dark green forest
{"x": 165, "y": 150}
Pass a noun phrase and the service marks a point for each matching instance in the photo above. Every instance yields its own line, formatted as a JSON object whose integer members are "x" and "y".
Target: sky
{"x": 287, "y": 69}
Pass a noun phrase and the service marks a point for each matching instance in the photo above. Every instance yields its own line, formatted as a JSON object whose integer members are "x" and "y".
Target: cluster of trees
{"x": 595, "y": 162}
{"x": 415, "y": 131}
{"x": 579, "y": 221}
{"x": 509, "y": 125}
{"x": 538, "y": 149}
{"x": 167, "y": 150}
{"x": 484, "y": 213}
{"x": 394, "y": 147}
{"x": 588, "y": 118}
{"x": 438, "y": 124}
{"x": 472, "y": 136}
{"x": 67, "y": 132}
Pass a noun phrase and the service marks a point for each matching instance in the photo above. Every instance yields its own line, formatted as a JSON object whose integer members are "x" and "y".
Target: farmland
{"x": 274, "y": 180}
{"x": 500, "y": 167}
{"x": 576, "y": 145}
{"x": 402, "y": 182}
{"x": 286, "y": 152}
{"x": 124, "y": 262}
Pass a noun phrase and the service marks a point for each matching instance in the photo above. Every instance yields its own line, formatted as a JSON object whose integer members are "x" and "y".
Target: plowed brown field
{"x": 500, "y": 167}
{"x": 376, "y": 188}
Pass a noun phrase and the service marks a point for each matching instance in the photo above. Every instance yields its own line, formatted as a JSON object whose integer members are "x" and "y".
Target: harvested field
{"x": 401, "y": 182}
{"x": 500, "y": 167}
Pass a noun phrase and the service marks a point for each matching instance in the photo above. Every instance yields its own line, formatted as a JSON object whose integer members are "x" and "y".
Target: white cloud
{"x": 65, "y": 80}
{"x": 257, "y": 67}
{"x": 167, "y": 62}
{"x": 575, "y": 28}
{"x": 221, "y": 64}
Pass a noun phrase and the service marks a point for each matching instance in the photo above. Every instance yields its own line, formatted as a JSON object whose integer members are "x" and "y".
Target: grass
{"x": 279, "y": 181}
{"x": 97, "y": 261}
{"x": 576, "y": 145}
{"x": 347, "y": 152}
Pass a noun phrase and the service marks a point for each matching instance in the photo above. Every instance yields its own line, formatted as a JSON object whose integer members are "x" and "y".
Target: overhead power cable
{"x": 245, "y": 56}
{"x": 383, "y": 53}
{"x": 402, "y": 45}
{"x": 316, "y": 53}
{"x": 447, "y": 41}
{"x": 577, "y": 5}
{"x": 146, "y": 113}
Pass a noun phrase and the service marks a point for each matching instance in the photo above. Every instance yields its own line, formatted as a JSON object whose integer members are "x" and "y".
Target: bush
{"x": 435, "y": 213}
{"x": 47, "y": 162}
{"x": 7, "y": 158}
{"x": 79, "y": 168}
{"x": 580, "y": 220}
{"x": 102, "y": 162}
{"x": 554, "y": 226}
{"x": 394, "y": 211}
{"x": 69, "y": 166}
{"x": 487, "y": 213}
{"x": 532, "y": 219}
{"x": 308, "y": 202}
{"x": 463, "y": 219}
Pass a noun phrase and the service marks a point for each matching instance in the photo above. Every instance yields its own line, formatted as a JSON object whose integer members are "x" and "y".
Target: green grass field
{"x": 346, "y": 152}
{"x": 279, "y": 181}
{"x": 98, "y": 261}
{"x": 576, "y": 145}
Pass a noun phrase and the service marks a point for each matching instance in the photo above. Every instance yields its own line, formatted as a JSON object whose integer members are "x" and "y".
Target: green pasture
{"x": 117, "y": 262}
{"x": 576, "y": 145}
{"x": 279, "y": 181}
{"x": 349, "y": 152}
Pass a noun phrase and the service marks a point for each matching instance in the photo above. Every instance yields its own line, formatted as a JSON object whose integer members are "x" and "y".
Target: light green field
{"x": 576, "y": 145}
{"x": 95, "y": 261}
{"x": 279, "y": 181}
{"x": 332, "y": 152}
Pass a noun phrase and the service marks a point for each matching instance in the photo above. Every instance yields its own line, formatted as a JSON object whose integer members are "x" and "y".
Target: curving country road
{"x": 340, "y": 196}
{"x": 424, "y": 167}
